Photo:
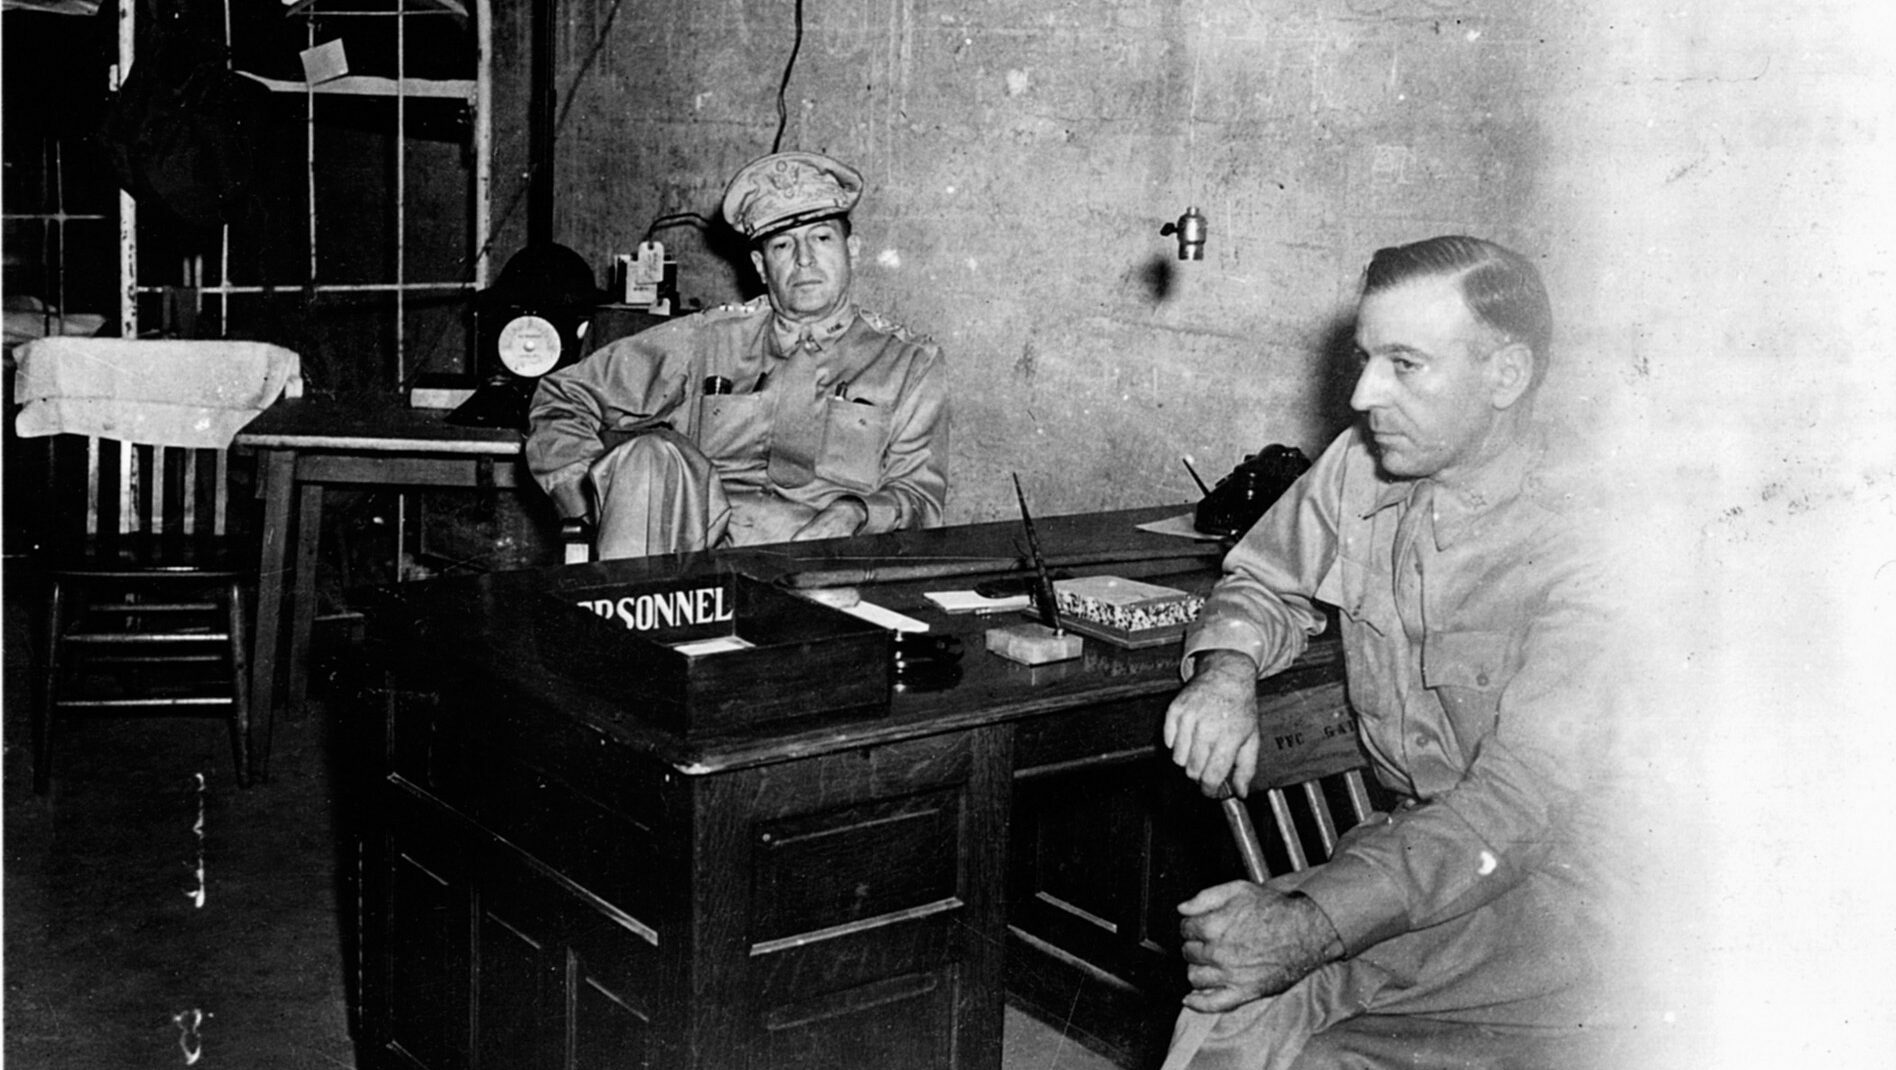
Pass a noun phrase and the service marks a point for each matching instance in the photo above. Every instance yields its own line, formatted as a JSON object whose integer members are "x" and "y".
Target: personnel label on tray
{"x": 655, "y": 610}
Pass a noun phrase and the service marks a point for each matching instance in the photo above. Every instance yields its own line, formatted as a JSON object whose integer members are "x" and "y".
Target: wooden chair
{"x": 146, "y": 580}
{"x": 145, "y": 607}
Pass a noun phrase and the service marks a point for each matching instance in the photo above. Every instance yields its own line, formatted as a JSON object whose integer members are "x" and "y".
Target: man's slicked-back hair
{"x": 1502, "y": 288}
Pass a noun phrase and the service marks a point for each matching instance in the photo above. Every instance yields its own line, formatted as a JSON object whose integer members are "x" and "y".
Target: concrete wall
{"x": 1021, "y": 159}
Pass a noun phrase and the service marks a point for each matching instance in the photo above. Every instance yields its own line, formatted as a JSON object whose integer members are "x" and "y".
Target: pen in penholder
{"x": 1035, "y": 644}
{"x": 1043, "y": 584}
{"x": 717, "y": 384}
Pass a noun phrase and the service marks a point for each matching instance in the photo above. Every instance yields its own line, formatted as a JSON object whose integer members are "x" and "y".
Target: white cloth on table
{"x": 197, "y": 394}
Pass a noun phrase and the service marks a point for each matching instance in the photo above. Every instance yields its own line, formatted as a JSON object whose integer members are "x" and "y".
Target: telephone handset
{"x": 1239, "y": 499}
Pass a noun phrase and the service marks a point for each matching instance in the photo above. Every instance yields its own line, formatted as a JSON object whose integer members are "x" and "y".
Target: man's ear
{"x": 757, "y": 262}
{"x": 854, "y": 245}
{"x": 1510, "y": 373}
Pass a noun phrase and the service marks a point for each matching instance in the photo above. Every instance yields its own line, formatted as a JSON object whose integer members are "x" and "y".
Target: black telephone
{"x": 1230, "y": 508}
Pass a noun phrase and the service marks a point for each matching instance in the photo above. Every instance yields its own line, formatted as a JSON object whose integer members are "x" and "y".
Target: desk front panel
{"x": 535, "y": 891}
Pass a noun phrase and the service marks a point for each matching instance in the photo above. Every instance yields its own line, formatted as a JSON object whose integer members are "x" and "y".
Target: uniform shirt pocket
{"x": 730, "y": 426}
{"x": 1467, "y": 670}
{"x": 853, "y": 436}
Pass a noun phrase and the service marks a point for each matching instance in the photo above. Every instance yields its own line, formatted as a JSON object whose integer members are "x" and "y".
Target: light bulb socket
{"x": 1191, "y": 229}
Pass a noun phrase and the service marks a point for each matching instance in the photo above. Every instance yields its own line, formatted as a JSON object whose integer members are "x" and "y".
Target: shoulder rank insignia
{"x": 735, "y": 309}
{"x": 882, "y": 323}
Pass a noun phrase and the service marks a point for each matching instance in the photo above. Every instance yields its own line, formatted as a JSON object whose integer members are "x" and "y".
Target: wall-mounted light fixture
{"x": 1190, "y": 229}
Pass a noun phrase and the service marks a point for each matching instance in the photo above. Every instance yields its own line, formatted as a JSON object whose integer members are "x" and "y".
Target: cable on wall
{"x": 783, "y": 112}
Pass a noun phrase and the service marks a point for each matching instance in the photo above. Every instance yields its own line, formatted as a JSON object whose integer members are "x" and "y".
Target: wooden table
{"x": 549, "y": 880}
{"x": 307, "y": 444}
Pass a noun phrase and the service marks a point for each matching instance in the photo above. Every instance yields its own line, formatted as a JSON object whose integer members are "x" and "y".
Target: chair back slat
{"x": 169, "y": 491}
{"x": 168, "y": 470}
{"x": 1287, "y": 829}
{"x": 1320, "y": 811}
{"x": 116, "y": 498}
{"x": 218, "y": 493}
{"x": 95, "y": 478}
{"x": 1359, "y": 794}
{"x": 143, "y": 486}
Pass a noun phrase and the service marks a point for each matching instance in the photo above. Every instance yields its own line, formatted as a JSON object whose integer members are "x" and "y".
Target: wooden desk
{"x": 306, "y": 444}
{"x": 549, "y": 880}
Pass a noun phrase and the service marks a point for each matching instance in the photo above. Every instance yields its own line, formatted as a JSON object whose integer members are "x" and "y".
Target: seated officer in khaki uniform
{"x": 796, "y": 415}
{"x": 1460, "y": 538}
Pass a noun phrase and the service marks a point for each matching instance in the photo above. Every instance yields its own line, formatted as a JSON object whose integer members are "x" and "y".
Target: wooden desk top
{"x": 371, "y": 425}
{"x": 467, "y": 621}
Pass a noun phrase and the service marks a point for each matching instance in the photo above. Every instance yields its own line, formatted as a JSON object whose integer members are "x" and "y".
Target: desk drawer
{"x": 1108, "y": 734}
{"x": 1303, "y": 717}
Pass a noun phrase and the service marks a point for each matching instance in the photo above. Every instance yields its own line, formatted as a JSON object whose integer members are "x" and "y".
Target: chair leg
{"x": 48, "y": 693}
{"x": 239, "y": 683}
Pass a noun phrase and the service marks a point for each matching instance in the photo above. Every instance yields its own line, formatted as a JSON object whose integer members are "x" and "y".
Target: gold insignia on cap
{"x": 788, "y": 189}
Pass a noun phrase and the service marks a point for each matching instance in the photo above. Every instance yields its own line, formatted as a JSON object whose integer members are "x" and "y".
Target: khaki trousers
{"x": 658, "y": 494}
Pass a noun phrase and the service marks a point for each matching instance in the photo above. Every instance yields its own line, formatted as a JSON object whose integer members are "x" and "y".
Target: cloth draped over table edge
{"x": 196, "y": 394}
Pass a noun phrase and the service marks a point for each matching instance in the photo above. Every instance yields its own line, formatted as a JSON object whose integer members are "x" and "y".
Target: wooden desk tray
{"x": 1125, "y": 612}
{"x": 799, "y": 660}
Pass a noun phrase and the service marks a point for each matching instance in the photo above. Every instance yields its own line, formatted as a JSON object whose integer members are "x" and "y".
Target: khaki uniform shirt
{"x": 853, "y": 405}
{"x": 1476, "y": 623}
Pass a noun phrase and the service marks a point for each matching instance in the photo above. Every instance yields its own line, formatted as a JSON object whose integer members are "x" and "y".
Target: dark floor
{"x": 118, "y": 955}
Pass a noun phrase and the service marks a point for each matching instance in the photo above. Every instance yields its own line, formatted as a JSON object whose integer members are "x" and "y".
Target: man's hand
{"x": 1244, "y": 941}
{"x": 1212, "y": 725}
{"x": 842, "y": 517}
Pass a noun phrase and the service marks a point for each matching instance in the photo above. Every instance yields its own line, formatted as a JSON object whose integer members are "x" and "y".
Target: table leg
{"x": 309, "y": 532}
{"x": 278, "y": 477}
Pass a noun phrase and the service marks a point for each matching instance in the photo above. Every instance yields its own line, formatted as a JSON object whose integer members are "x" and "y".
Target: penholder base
{"x": 1033, "y": 644}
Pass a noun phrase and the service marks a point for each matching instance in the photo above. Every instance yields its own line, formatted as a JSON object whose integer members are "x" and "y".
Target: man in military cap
{"x": 797, "y": 415}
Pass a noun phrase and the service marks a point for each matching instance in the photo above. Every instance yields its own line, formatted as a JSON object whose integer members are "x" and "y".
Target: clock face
{"x": 529, "y": 346}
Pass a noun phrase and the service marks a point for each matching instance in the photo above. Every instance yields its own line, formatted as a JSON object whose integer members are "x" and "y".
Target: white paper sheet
{"x": 717, "y": 644}
{"x": 1182, "y": 525}
{"x": 969, "y": 602}
{"x": 886, "y": 617}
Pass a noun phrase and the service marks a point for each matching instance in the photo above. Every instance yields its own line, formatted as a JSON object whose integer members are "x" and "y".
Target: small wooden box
{"x": 717, "y": 654}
